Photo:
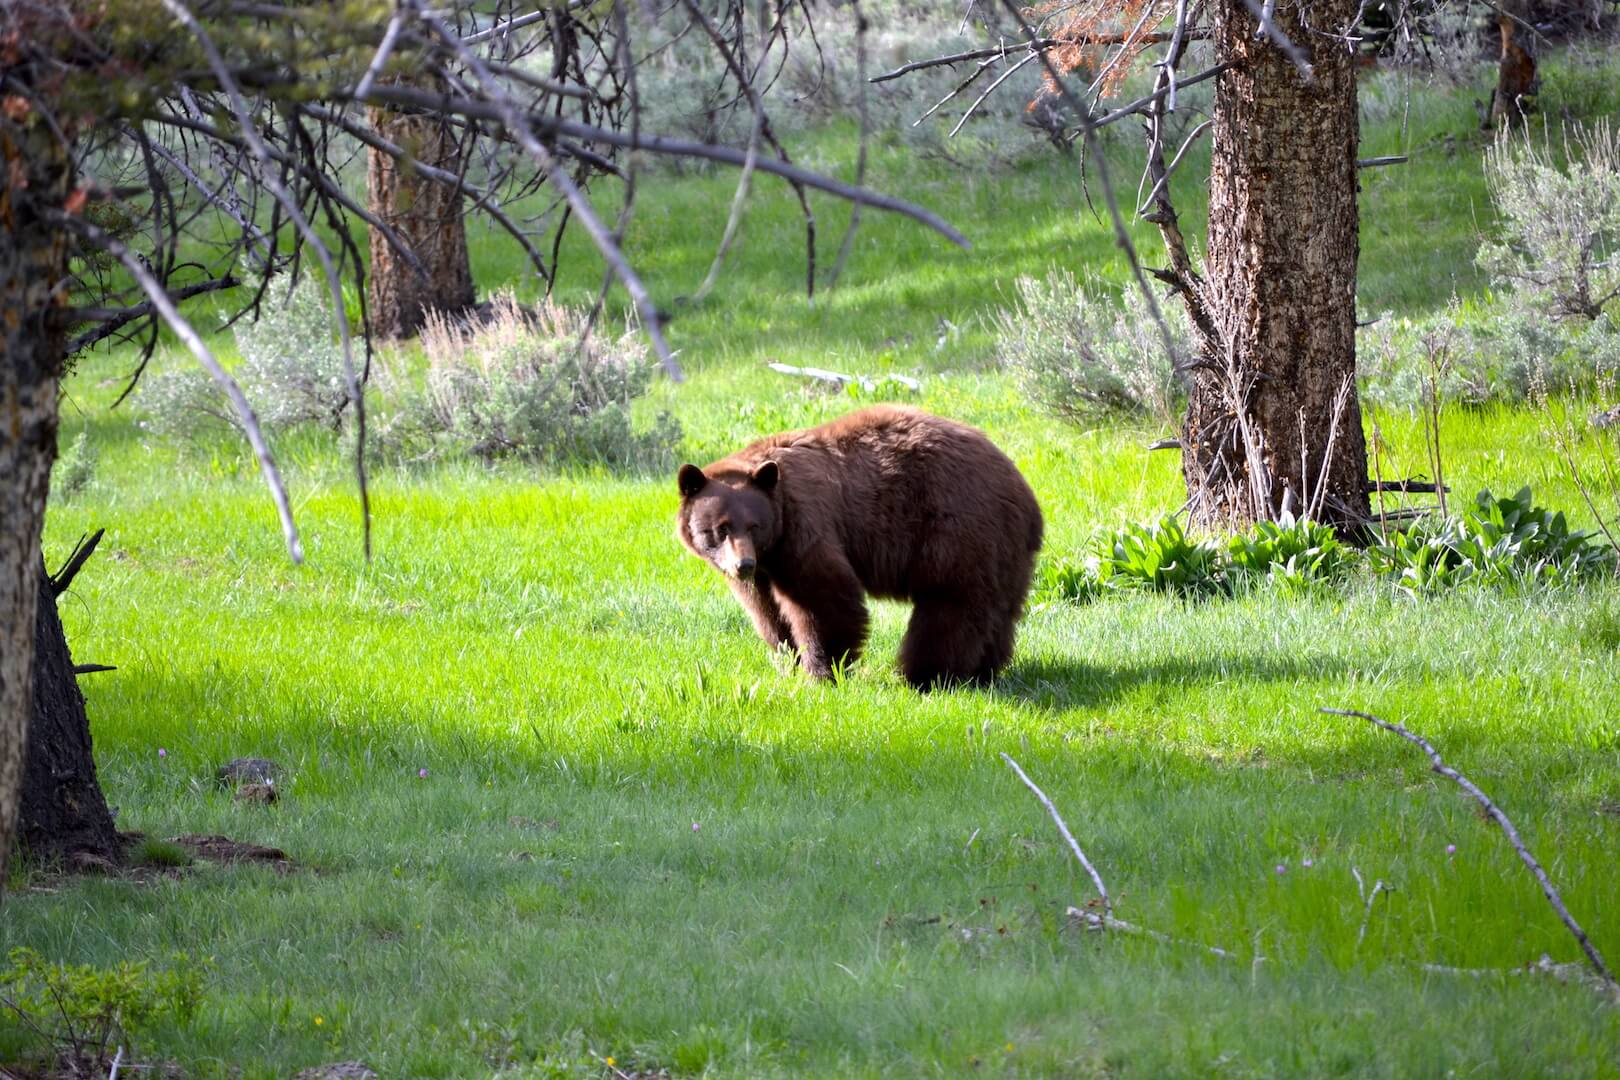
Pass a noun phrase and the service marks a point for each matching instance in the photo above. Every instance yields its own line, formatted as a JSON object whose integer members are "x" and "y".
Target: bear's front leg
{"x": 825, "y": 607}
{"x": 758, "y": 599}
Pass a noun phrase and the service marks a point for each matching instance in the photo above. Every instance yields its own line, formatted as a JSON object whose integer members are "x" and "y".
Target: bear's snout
{"x": 737, "y": 558}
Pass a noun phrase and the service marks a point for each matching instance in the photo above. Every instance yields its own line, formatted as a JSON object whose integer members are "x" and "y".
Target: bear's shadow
{"x": 1065, "y": 683}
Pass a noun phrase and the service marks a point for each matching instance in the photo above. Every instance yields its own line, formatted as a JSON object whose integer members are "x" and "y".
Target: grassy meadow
{"x": 554, "y": 812}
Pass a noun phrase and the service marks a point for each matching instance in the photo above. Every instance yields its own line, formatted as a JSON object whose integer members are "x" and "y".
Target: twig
{"x": 1378, "y": 886}
{"x": 1501, "y": 819}
{"x": 1096, "y": 878}
{"x": 661, "y": 144}
{"x": 91, "y": 669}
{"x": 375, "y": 67}
{"x": 1093, "y": 921}
{"x": 76, "y": 559}
{"x": 1279, "y": 38}
{"x": 114, "y": 320}
{"x": 1375, "y": 162}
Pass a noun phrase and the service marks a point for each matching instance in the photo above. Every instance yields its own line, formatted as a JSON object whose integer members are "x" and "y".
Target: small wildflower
{"x": 696, "y": 826}
{"x": 1307, "y": 863}
{"x": 1282, "y": 868}
{"x": 422, "y": 773}
{"x": 610, "y": 1061}
{"x": 162, "y": 752}
{"x": 1009, "y": 1048}
{"x": 319, "y": 1020}
{"x": 1451, "y": 849}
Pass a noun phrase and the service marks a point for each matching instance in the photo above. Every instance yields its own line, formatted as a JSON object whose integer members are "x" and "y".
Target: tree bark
{"x": 1273, "y": 422}
{"x": 427, "y": 216}
{"x": 38, "y": 178}
{"x": 1516, "y": 69}
{"x": 63, "y": 812}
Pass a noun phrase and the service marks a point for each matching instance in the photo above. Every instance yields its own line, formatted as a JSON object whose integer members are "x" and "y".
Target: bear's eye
{"x": 722, "y": 531}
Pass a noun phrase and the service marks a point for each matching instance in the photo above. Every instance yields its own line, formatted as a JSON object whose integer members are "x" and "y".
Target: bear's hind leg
{"x": 945, "y": 643}
{"x": 998, "y": 648}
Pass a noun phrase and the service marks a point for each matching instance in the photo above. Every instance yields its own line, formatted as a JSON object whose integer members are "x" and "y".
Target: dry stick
{"x": 244, "y": 411}
{"x": 1033, "y": 43}
{"x": 373, "y": 69}
{"x": 745, "y": 180}
{"x": 1096, "y": 878}
{"x": 1378, "y": 886}
{"x": 114, "y": 320}
{"x": 1173, "y": 57}
{"x": 1122, "y": 235}
{"x": 984, "y": 65}
{"x": 1268, "y": 29}
{"x": 1501, "y": 819}
{"x": 515, "y": 122}
{"x": 1164, "y": 180}
{"x": 1108, "y": 922}
{"x": 256, "y": 144}
{"x": 980, "y": 100}
{"x": 661, "y": 144}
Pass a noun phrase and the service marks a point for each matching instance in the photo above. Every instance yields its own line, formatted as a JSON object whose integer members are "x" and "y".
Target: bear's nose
{"x": 745, "y": 567}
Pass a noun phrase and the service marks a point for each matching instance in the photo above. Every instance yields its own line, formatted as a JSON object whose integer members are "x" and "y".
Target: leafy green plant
{"x": 1160, "y": 557}
{"x": 1064, "y": 580}
{"x": 1496, "y": 541}
{"x": 83, "y": 1012}
{"x": 1293, "y": 554}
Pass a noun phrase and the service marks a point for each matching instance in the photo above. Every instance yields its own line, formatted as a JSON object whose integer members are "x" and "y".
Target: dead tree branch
{"x": 1096, "y": 878}
{"x": 1495, "y": 814}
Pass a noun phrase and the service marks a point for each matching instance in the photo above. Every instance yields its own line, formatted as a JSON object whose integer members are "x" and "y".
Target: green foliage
{"x": 1496, "y": 541}
{"x": 1060, "y": 580}
{"x": 83, "y": 1012}
{"x": 291, "y": 370}
{"x": 1289, "y": 553}
{"x": 1160, "y": 557}
{"x": 151, "y": 851}
{"x": 1560, "y": 216}
{"x": 529, "y": 385}
{"x": 1080, "y": 349}
{"x": 75, "y": 468}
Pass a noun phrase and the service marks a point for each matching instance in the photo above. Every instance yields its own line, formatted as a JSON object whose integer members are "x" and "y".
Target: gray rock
{"x": 340, "y": 1070}
{"x": 248, "y": 770}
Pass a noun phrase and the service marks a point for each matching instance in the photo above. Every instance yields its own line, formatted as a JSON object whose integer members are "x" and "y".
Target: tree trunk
{"x": 1273, "y": 422}
{"x": 38, "y": 170}
{"x": 63, "y": 812}
{"x": 1516, "y": 70}
{"x": 426, "y": 215}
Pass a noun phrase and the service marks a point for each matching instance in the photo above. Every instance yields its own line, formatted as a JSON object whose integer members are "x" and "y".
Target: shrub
{"x": 84, "y": 1012}
{"x": 1496, "y": 541}
{"x": 1076, "y": 350}
{"x": 1160, "y": 557}
{"x": 75, "y": 468}
{"x": 1063, "y": 580}
{"x": 291, "y": 370}
{"x": 1292, "y": 554}
{"x": 1560, "y": 223}
{"x": 530, "y": 385}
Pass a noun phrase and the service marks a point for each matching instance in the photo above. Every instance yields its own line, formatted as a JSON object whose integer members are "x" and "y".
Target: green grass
{"x": 868, "y": 891}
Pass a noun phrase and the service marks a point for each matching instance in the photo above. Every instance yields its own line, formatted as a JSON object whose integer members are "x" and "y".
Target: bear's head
{"x": 731, "y": 518}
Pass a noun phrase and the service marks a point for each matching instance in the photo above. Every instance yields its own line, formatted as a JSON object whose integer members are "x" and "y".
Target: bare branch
{"x": 1501, "y": 819}
{"x": 115, "y": 319}
{"x": 187, "y": 333}
{"x": 1096, "y": 878}
{"x": 390, "y": 35}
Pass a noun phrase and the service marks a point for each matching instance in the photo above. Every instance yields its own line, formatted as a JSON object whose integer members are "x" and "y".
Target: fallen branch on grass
{"x": 1495, "y": 814}
{"x": 1092, "y": 920}
{"x": 1096, "y": 878}
{"x": 1367, "y": 898}
{"x": 839, "y": 379}
{"x": 1564, "y": 973}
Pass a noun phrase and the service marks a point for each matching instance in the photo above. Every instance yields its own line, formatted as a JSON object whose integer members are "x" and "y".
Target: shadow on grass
{"x": 1057, "y": 682}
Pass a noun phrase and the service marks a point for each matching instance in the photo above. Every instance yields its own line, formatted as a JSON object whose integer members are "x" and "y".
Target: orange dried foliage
{"x": 1091, "y": 32}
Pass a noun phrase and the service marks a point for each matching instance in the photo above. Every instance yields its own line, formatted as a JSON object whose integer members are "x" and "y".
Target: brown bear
{"x": 889, "y": 501}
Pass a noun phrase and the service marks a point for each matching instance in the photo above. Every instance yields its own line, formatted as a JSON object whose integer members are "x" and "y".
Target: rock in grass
{"x": 259, "y": 794}
{"x": 341, "y": 1070}
{"x": 248, "y": 770}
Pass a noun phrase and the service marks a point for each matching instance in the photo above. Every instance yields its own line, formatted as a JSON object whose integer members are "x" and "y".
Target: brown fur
{"x": 887, "y": 501}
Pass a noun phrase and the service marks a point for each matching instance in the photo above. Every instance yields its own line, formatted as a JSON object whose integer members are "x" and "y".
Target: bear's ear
{"x": 765, "y": 475}
{"x": 691, "y": 479}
